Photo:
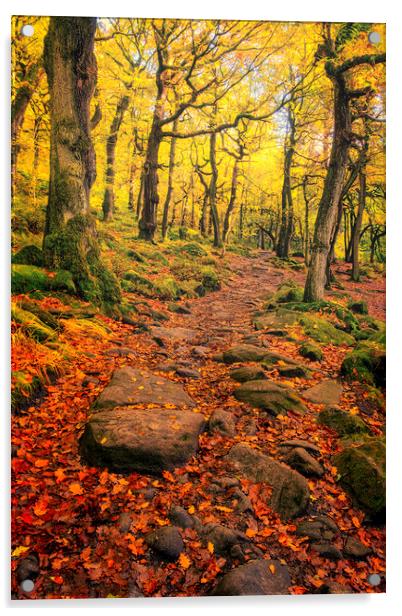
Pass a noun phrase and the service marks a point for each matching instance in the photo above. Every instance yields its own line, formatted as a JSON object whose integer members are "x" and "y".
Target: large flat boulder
{"x": 130, "y": 386}
{"x": 272, "y": 397}
{"x": 257, "y": 577}
{"x": 290, "y": 493}
{"x": 128, "y": 439}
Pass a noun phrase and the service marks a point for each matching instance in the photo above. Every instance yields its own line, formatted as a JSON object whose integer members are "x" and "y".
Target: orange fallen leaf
{"x": 184, "y": 561}
{"x": 76, "y": 488}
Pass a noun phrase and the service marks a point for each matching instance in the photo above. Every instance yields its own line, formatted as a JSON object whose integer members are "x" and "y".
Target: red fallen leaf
{"x": 60, "y": 475}
{"x": 356, "y": 521}
{"x": 27, "y": 518}
{"x": 76, "y": 488}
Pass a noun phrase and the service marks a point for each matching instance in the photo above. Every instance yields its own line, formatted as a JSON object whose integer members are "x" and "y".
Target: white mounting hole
{"x": 27, "y": 30}
{"x": 374, "y": 579}
{"x": 27, "y": 585}
{"x": 374, "y": 37}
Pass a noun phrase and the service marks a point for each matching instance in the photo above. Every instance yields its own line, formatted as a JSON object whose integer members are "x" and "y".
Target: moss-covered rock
{"x": 323, "y": 331}
{"x": 46, "y": 317}
{"x": 244, "y": 352}
{"x": 193, "y": 249}
{"x": 27, "y": 278}
{"x": 367, "y": 363}
{"x": 31, "y": 324}
{"x": 29, "y": 255}
{"x": 341, "y": 421}
{"x": 311, "y": 351}
{"x": 210, "y": 279}
{"x": 247, "y": 373}
{"x": 272, "y": 397}
{"x": 358, "y": 307}
{"x": 362, "y": 473}
{"x": 167, "y": 288}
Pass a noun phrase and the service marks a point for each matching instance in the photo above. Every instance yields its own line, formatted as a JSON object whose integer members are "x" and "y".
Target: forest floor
{"x": 86, "y": 526}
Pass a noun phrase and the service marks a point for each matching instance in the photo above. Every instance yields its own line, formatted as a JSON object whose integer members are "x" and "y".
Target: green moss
{"x": 193, "y": 249}
{"x": 24, "y": 387}
{"x": 323, "y": 331}
{"x": 341, "y": 421}
{"x": 31, "y": 324}
{"x": 46, "y": 317}
{"x": 358, "y": 307}
{"x": 362, "y": 473}
{"x": 26, "y": 278}
{"x": 29, "y": 255}
{"x": 365, "y": 363}
{"x": 210, "y": 280}
{"x": 75, "y": 248}
{"x": 311, "y": 351}
{"x": 167, "y": 288}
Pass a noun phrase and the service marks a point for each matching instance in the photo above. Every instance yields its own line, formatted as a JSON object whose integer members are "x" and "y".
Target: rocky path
{"x": 211, "y": 467}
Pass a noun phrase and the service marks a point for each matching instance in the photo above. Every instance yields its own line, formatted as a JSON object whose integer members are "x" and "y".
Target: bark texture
{"x": 70, "y": 240}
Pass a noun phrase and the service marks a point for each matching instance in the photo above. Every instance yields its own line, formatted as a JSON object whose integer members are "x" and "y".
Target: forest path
{"x": 225, "y": 517}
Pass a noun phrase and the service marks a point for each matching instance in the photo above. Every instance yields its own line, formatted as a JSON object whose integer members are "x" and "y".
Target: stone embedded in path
{"x": 290, "y": 493}
{"x": 247, "y": 373}
{"x": 257, "y": 577}
{"x": 173, "y": 334}
{"x": 127, "y": 439}
{"x": 303, "y": 462}
{"x": 167, "y": 542}
{"x": 272, "y": 397}
{"x": 326, "y": 392}
{"x": 222, "y": 422}
{"x": 244, "y": 352}
{"x": 131, "y": 386}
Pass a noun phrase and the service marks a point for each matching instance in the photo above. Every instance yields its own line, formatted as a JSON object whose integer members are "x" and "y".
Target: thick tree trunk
{"x": 329, "y": 203}
{"x": 212, "y": 191}
{"x": 232, "y": 202}
{"x": 111, "y": 142}
{"x": 358, "y": 226}
{"x": 148, "y": 220}
{"x": 70, "y": 240}
{"x": 131, "y": 178}
{"x": 169, "y": 192}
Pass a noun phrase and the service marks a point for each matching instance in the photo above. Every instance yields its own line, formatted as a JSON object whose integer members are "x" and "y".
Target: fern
{"x": 350, "y": 31}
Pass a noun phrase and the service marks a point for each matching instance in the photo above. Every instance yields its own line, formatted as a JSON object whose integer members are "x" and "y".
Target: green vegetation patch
{"x": 26, "y": 278}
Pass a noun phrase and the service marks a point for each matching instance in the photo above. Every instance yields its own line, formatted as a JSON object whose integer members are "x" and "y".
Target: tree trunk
{"x": 172, "y": 155}
{"x": 286, "y": 228}
{"x": 329, "y": 203}
{"x": 111, "y": 142}
{"x": 148, "y": 220}
{"x": 212, "y": 191}
{"x": 358, "y": 226}
{"x": 70, "y": 240}
{"x": 131, "y": 178}
{"x": 18, "y": 108}
{"x": 205, "y": 201}
{"x": 232, "y": 202}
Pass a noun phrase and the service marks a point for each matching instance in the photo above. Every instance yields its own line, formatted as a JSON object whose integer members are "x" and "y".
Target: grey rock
{"x": 300, "y": 443}
{"x": 270, "y": 396}
{"x": 290, "y": 493}
{"x": 244, "y": 352}
{"x": 356, "y": 549}
{"x": 180, "y": 517}
{"x": 146, "y": 441}
{"x": 327, "y": 550}
{"x": 302, "y": 461}
{"x": 257, "y": 577}
{"x": 222, "y": 537}
{"x": 132, "y": 386}
{"x": 167, "y": 542}
{"x": 326, "y": 392}
{"x": 247, "y": 373}
{"x": 222, "y": 422}
{"x": 188, "y": 373}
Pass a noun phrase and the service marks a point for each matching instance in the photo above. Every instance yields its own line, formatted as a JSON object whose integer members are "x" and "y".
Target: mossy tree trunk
{"x": 232, "y": 201}
{"x": 70, "y": 240}
{"x": 287, "y": 223}
{"x": 334, "y": 180}
{"x": 111, "y": 143}
{"x": 169, "y": 192}
{"x": 212, "y": 191}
